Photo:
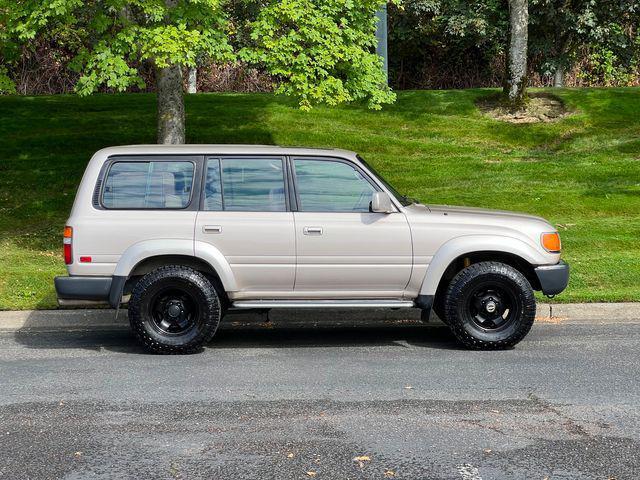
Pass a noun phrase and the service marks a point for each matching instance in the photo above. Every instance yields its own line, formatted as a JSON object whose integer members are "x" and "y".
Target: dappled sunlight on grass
{"x": 581, "y": 172}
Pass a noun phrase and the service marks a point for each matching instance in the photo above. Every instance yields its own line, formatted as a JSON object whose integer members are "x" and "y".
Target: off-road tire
{"x": 462, "y": 291}
{"x": 201, "y": 294}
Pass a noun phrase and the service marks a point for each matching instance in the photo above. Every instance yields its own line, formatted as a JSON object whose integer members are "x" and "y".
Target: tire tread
{"x": 455, "y": 291}
{"x": 211, "y": 316}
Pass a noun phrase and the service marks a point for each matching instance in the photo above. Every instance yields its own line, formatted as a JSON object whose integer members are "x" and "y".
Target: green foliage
{"x": 323, "y": 51}
{"x": 457, "y": 43}
{"x": 561, "y": 30}
{"x": 6, "y": 84}
{"x": 451, "y": 42}
{"x": 606, "y": 68}
{"x": 125, "y": 33}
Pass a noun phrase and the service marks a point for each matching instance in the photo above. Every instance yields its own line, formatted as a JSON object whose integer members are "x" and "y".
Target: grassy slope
{"x": 582, "y": 173}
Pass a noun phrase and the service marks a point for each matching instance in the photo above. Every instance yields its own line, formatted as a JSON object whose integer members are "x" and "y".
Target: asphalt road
{"x": 373, "y": 400}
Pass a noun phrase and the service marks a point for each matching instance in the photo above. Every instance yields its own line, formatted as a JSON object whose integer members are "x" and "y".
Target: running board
{"x": 323, "y": 304}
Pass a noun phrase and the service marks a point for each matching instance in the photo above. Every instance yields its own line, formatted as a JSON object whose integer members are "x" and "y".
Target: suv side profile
{"x": 183, "y": 233}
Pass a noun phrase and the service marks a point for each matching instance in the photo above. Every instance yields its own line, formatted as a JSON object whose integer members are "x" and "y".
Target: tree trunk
{"x": 516, "y": 84}
{"x": 170, "y": 105}
{"x": 558, "y": 77}
{"x": 192, "y": 81}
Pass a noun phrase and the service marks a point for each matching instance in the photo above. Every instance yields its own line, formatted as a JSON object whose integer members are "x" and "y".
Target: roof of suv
{"x": 223, "y": 150}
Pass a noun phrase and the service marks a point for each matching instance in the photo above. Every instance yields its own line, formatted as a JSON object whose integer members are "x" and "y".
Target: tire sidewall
{"x": 201, "y": 291}
{"x": 461, "y": 320}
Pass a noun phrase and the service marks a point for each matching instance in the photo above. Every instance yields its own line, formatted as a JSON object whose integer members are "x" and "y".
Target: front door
{"x": 343, "y": 249}
{"x": 245, "y": 215}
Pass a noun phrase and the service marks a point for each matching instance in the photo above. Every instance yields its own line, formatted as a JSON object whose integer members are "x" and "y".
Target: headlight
{"x": 551, "y": 242}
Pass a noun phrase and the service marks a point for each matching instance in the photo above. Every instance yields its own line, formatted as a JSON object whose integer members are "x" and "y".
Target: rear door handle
{"x": 312, "y": 230}
{"x": 212, "y": 229}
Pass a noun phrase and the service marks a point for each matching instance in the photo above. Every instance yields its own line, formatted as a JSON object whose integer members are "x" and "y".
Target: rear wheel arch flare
{"x": 152, "y": 263}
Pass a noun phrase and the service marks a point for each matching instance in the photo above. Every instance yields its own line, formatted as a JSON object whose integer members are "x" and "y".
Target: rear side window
{"x": 245, "y": 185}
{"x": 153, "y": 185}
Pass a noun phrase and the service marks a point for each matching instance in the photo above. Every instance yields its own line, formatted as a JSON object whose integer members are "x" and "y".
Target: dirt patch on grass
{"x": 540, "y": 107}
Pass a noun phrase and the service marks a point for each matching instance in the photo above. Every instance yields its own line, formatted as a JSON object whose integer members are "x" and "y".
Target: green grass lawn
{"x": 582, "y": 173}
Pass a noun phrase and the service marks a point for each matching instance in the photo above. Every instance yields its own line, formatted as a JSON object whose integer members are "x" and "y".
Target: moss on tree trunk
{"x": 516, "y": 84}
{"x": 170, "y": 105}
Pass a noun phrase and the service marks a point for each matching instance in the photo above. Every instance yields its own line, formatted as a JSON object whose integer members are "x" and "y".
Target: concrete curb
{"x": 90, "y": 319}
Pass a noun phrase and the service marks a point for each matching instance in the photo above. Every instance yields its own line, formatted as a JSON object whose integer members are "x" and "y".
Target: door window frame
{"x": 220, "y": 158}
{"x": 353, "y": 165}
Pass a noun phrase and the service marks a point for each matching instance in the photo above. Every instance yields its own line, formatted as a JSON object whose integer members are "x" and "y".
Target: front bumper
{"x": 89, "y": 289}
{"x": 553, "y": 278}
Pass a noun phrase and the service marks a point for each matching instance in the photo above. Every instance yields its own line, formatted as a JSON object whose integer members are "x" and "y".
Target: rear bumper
{"x": 553, "y": 278}
{"x": 89, "y": 289}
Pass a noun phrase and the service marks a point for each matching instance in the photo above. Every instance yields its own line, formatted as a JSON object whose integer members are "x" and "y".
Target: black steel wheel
{"x": 174, "y": 310}
{"x": 490, "y": 305}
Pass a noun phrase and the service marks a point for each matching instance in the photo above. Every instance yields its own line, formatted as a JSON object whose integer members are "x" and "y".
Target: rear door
{"x": 245, "y": 214}
{"x": 138, "y": 198}
{"x": 343, "y": 249}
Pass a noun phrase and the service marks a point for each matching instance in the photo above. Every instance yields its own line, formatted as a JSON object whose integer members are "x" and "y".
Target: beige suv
{"x": 184, "y": 233}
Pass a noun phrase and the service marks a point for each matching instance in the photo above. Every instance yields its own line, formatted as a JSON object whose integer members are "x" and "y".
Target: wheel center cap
{"x": 490, "y": 307}
{"x": 174, "y": 310}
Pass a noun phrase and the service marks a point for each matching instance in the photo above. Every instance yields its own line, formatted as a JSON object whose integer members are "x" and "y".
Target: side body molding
{"x": 459, "y": 246}
{"x": 152, "y": 248}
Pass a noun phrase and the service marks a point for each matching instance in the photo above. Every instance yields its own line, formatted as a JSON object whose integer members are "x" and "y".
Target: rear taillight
{"x": 66, "y": 241}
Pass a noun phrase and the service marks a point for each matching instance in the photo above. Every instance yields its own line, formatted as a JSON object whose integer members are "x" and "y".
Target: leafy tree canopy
{"x": 120, "y": 34}
{"x": 322, "y": 51}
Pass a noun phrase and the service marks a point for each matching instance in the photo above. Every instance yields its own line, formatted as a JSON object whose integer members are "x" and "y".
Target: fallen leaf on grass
{"x": 311, "y": 473}
{"x": 289, "y": 455}
{"x": 389, "y": 473}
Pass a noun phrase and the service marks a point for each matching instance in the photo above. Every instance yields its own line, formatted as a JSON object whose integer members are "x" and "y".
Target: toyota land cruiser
{"x": 183, "y": 233}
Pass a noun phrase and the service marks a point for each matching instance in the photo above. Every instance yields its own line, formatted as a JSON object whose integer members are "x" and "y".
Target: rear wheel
{"x": 174, "y": 310}
{"x": 489, "y": 305}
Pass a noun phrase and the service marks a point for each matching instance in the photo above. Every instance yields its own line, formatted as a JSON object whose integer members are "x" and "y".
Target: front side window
{"x": 245, "y": 185}
{"x": 148, "y": 185}
{"x": 329, "y": 186}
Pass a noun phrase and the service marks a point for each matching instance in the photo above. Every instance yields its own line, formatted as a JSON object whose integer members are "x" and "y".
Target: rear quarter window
{"x": 148, "y": 185}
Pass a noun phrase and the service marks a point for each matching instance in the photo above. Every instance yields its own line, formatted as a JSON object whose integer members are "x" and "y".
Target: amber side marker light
{"x": 551, "y": 242}
{"x": 66, "y": 245}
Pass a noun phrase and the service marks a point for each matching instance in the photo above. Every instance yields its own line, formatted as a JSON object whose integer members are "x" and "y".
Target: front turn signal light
{"x": 551, "y": 242}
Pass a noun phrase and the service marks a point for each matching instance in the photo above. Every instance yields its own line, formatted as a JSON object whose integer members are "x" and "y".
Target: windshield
{"x": 403, "y": 199}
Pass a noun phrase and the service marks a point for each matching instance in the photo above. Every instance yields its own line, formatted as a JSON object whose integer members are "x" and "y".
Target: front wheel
{"x": 174, "y": 310}
{"x": 490, "y": 305}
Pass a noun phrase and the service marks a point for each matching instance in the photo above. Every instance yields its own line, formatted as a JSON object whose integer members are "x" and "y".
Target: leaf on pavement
{"x": 363, "y": 458}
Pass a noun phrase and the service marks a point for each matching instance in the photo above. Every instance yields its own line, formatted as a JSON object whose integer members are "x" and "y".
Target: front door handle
{"x": 212, "y": 229}
{"x": 312, "y": 230}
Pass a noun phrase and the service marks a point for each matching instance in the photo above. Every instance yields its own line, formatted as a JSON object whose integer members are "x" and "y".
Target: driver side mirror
{"x": 381, "y": 203}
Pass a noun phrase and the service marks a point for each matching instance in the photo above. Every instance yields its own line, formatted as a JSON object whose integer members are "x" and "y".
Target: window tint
{"x": 253, "y": 185}
{"x": 148, "y": 185}
{"x": 326, "y": 186}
